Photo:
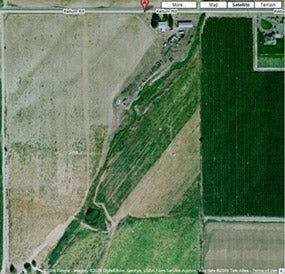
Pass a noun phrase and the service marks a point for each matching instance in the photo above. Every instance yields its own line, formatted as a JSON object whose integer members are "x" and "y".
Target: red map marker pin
{"x": 144, "y": 4}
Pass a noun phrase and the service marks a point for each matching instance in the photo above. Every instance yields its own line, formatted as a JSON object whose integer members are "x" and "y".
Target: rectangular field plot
{"x": 244, "y": 246}
{"x": 157, "y": 243}
{"x": 242, "y": 125}
{"x": 61, "y": 78}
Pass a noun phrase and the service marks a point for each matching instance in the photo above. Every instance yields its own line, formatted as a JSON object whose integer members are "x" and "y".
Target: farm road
{"x": 244, "y": 219}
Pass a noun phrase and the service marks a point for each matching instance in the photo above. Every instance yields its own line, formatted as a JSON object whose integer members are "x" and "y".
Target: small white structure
{"x": 163, "y": 26}
{"x": 173, "y": 39}
{"x": 270, "y": 42}
{"x": 278, "y": 35}
{"x": 185, "y": 25}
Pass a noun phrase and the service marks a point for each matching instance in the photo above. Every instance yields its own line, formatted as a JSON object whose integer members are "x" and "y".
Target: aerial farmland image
{"x": 142, "y": 136}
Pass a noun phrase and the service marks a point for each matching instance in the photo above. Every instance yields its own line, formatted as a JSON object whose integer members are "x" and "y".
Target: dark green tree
{"x": 155, "y": 19}
{"x": 28, "y": 267}
{"x": 95, "y": 217}
{"x": 170, "y": 21}
{"x": 13, "y": 269}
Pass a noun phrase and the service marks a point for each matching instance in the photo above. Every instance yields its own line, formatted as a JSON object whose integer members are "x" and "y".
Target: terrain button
{"x": 267, "y": 5}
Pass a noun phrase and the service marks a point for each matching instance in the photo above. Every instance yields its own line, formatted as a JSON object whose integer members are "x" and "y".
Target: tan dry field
{"x": 168, "y": 179}
{"x": 81, "y": 3}
{"x": 62, "y": 74}
{"x": 244, "y": 246}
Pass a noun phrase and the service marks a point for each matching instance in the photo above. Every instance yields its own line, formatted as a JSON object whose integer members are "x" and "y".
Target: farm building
{"x": 185, "y": 25}
{"x": 163, "y": 26}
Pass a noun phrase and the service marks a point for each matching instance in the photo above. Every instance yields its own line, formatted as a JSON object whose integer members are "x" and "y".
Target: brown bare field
{"x": 62, "y": 74}
{"x": 244, "y": 246}
{"x": 168, "y": 179}
{"x": 81, "y": 3}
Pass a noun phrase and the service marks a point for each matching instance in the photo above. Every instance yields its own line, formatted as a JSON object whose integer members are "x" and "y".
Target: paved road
{"x": 245, "y": 219}
{"x": 134, "y": 11}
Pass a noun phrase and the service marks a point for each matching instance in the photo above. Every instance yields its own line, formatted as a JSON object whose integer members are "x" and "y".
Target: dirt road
{"x": 244, "y": 219}
{"x": 5, "y": 260}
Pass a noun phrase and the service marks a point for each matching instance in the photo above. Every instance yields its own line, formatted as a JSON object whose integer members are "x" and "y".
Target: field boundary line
{"x": 269, "y": 69}
{"x": 254, "y": 30}
{"x": 201, "y": 215}
{"x": 261, "y": 219}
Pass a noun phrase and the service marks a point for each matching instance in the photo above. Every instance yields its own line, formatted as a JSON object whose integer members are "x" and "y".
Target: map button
{"x": 213, "y": 5}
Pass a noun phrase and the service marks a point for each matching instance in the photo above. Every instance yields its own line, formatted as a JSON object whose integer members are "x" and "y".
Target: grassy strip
{"x": 162, "y": 243}
{"x": 67, "y": 237}
{"x": 169, "y": 102}
{"x": 270, "y": 60}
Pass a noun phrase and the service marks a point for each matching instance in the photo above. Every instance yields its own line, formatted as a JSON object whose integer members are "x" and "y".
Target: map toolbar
{"x": 221, "y": 5}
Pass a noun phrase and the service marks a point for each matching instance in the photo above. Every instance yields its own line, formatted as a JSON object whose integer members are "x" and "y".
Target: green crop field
{"x": 159, "y": 243}
{"x": 84, "y": 252}
{"x": 242, "y": 125}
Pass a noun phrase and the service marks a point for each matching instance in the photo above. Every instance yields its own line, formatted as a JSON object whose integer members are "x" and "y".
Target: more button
{"x": 179, "y": 5}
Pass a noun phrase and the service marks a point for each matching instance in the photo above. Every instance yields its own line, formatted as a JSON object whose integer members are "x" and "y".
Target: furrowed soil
{"x": 244, "y": 246}
{"x": 62, "y": 75}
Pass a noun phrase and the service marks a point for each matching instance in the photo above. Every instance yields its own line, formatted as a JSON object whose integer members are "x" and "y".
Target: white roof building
{"x": 185, "y": 25}
{"x": 163, "y": 26}
{"x": 278, "y": 35}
